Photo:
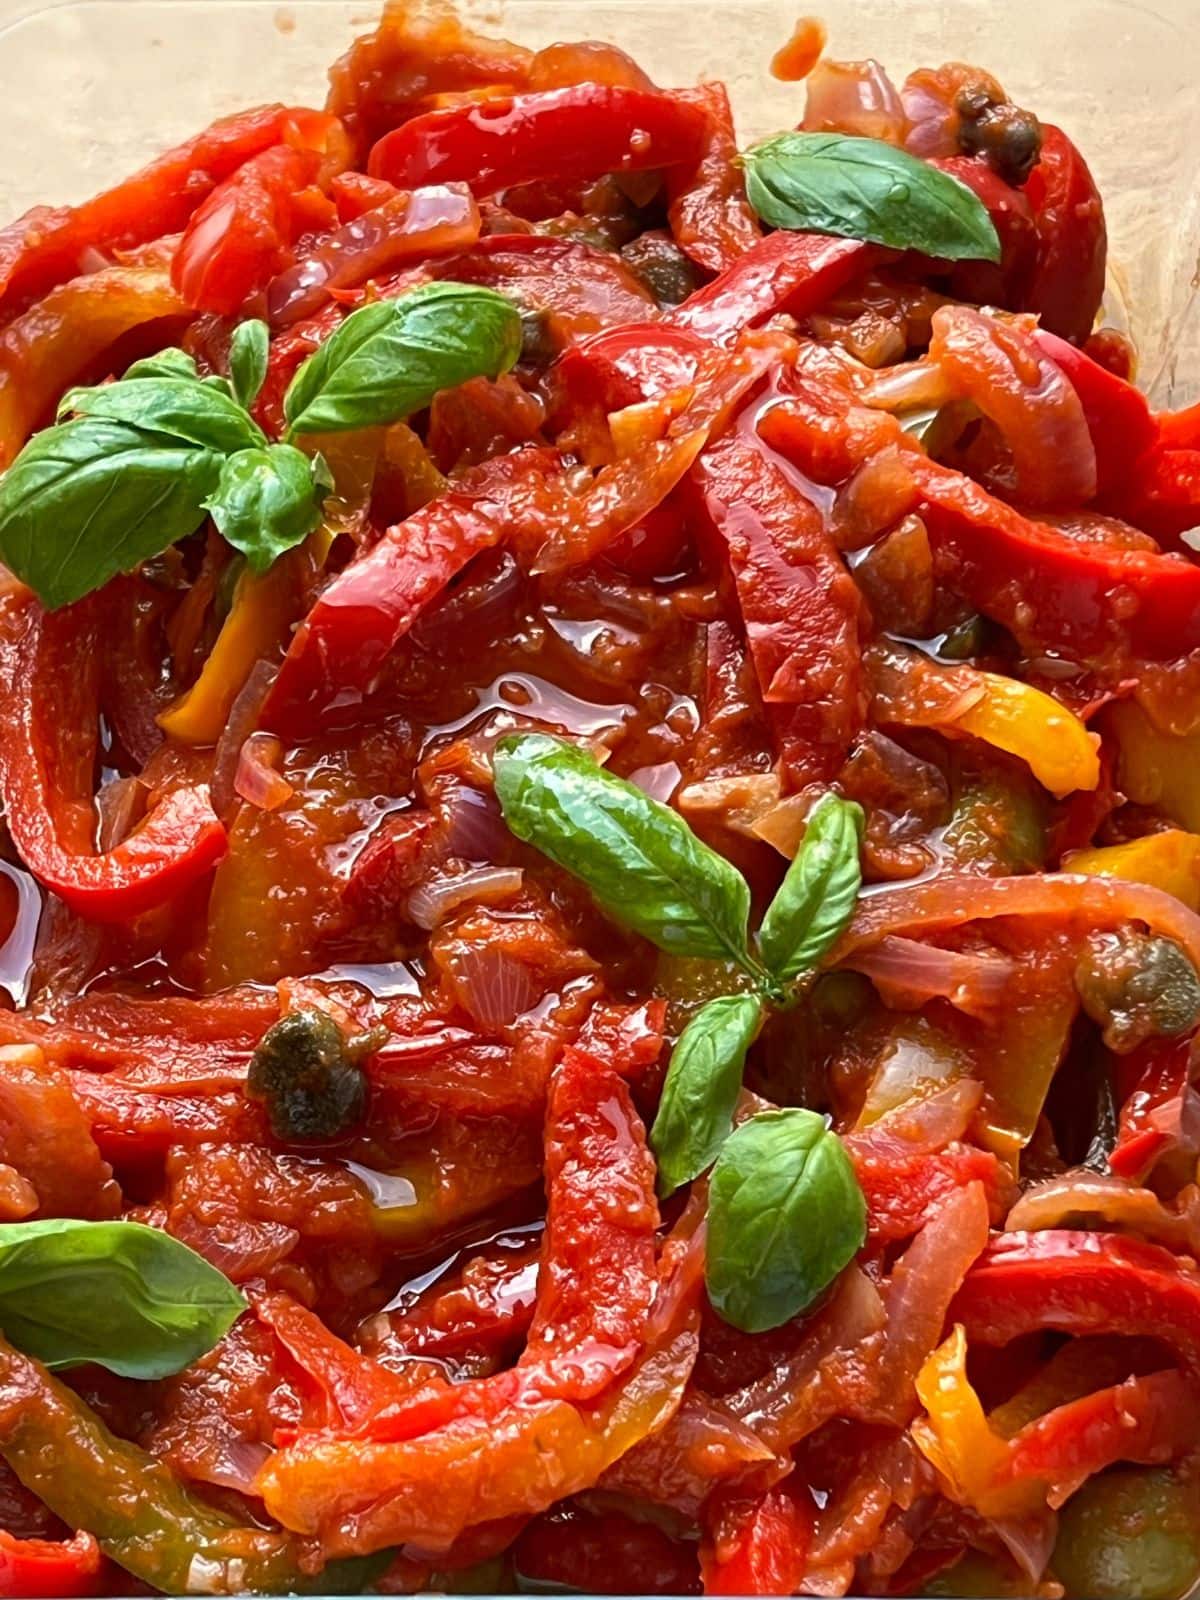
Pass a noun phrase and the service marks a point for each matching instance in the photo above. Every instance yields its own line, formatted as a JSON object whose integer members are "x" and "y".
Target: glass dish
{"x": 91, "y": 88}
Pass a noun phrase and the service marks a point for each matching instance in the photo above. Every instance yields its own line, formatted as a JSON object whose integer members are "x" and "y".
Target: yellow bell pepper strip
{"x": 264, "y": 606}
{"x": 1060, "y": 752}
{"x": 955, "y": 1438}
{"x": 143, "y": 1517}
{"x": 1168, "y": 861}
{"x": 912, "y": 691}
{"x": 1156, "y": 769}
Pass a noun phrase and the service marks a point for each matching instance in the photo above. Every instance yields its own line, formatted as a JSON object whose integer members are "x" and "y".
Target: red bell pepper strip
{"x": 710, "y": 217}
{"x": 55, "y": 1568}
{"x": 1067, "y": 283}
{"x": 792, "y": 272}
{"x": 598, "y": 1277}
{"x": 1145, "y": 1419}
{"x": 1180, "y": 430}
{"x": 759, "y": 1546}
{"x": 1162, "y": 495}
{"x": 1092, "y": 601}
{"x": 342, "y": 646}
{"x": 904, "y": 1192}
{"x": 579, "y": 132}
{"x": 1162, "y": 1110}
{"x": 238, "y": 238}
{"x": 353, "y": 193}
{"x": 1004, "y": 282}
{"x": 48, "y": 673}
{"x": 1081, "y": 1283}
{"x": 46, "y": 246}
{"x": 1118, "y": 414}
{"x": 801, "y": 609}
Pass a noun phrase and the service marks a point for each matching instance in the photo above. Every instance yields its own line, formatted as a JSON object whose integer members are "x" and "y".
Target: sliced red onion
{"x": 239, "y": 725}
{"x": 473, "y": 826}
{"x": 855, "y": 97}
{"x": 494, "y": 988}
{"x": 659, "y": 782}
{"x": 923, "y": 1125}
{"x": 258, "y": 780}
{"x": 121, "y": 803}
{"x": 906, "y": 969}
{"x": 425, "y": 222}
{"x": 1090, "y": 1199}
{"x": 430, "y": 903}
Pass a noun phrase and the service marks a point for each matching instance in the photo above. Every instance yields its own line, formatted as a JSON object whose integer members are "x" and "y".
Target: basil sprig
{"x": 389, "y": 359}
{"x": 133, "y": 466}
{"x": 785, "y": 1215}
{"x": 866, "y": 189}
{"x": 704, "y": 1079}
{"x": 649, "y": 871}
{"x": 127, "y": 1297}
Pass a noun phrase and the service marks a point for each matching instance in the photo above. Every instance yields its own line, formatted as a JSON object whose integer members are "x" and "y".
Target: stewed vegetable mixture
{"x": 600, "y": 758}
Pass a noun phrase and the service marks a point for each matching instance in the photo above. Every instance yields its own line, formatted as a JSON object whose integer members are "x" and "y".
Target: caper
{"x": 306, "y": 1073}
{"x": 1137, "y": 986}
{"x": 1129, "y": 1533}
{"x": 1008, "y": 137}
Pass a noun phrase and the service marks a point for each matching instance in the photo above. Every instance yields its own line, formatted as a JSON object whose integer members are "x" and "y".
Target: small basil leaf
{"x": 265, "y": 502}
{"x": 198, "y": 413}
{"x": 127, "y": 1297}
{"x": 785, "y": 1215}
{"x": 389, "y": 359}
{"x": 695, "y": 1113}
{"x": 866, "y": 189}
{"x": 641, "y": 861}
{"x": 164, "y": 364}
{"x": 817, "y": 897}
{"x": 91, "y": 498}
{"x": 248, "y": 352}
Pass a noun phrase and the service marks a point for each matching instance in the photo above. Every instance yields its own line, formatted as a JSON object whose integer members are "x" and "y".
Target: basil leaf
{"x": 389, "y": 359}
{"x": 91, "y": 498}
{"x": 641, "y": 861}
{"x": 265, "y": 502}
{"x": 785, "y": 1215}
{"x": 127, "y": 1297}
{"x": 866, "y": 189}
{"x": 817, "y": 897}
{"x": 197, "y": 413}
{"x": 695, "y": 1113}
{"x": 248, "y": 352}
{"x": 170, "y": 363}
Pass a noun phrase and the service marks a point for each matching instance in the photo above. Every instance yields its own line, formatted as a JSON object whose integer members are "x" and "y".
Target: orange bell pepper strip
{"x": 45, "y": 349}
{"x": 264, "y": 606}
{"x": 358, "y": 1496}
{"x": 955, "y": 1438}
{"x": 1168, "y": 861}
